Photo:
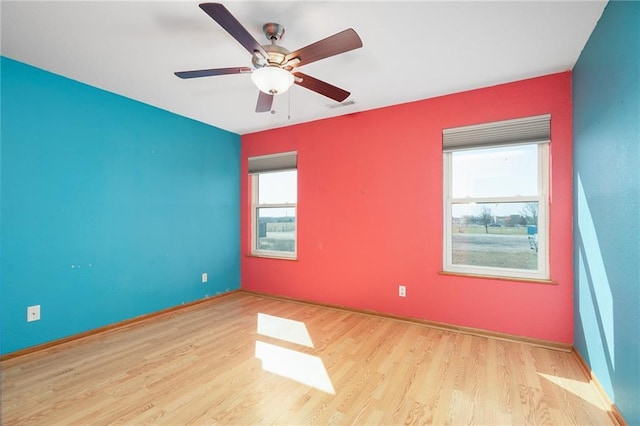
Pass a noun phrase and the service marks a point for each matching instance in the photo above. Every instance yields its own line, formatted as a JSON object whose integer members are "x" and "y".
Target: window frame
{"x": 255, "y": 206}
{"x": 542, "y": 198}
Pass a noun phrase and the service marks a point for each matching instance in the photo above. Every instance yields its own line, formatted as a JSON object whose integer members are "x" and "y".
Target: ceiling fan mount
{"x": 273, "y": 31}
{"x": 275, "y": 66}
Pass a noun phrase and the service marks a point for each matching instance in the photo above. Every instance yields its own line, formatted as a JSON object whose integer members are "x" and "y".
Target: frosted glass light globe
{"x": 272, "y": 80}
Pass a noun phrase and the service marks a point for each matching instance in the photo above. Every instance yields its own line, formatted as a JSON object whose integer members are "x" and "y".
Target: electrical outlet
{"x": 33, "y": 313}
{"x": 204, "y": 277}
{"x": 402, "y": 291}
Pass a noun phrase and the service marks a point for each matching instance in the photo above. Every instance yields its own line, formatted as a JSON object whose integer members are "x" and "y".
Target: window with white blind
{"x": 274, "y": 197}
{"x": 496, "y": 189}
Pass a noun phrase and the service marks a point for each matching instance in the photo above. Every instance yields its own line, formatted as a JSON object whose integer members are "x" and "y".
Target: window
{"x": 274, "y": 195}
{"x": 496, "y": 198}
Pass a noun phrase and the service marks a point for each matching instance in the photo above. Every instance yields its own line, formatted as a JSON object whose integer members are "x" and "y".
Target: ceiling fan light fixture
{"x": 272, "y": 80}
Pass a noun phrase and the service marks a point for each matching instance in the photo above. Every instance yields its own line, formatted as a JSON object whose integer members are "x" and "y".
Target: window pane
{"x": 503, "y": 235}
{"x": 495, "y": 172}
{"x": 278, "y": 187}
{"x": 276, "y": 229}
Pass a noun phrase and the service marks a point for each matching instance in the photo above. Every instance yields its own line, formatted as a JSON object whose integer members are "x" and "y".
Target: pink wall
{"x": 370, "y": 213}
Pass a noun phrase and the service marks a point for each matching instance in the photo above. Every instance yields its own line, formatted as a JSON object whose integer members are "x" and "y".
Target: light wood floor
{"x": 199, "y": 366}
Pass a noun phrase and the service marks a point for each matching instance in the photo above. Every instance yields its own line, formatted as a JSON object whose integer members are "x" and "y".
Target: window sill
{"x": 497, "y": 277}
{"x": 270, "y": 256}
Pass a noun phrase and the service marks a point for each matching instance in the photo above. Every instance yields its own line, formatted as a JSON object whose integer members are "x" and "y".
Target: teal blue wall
{"x": 111, "y": 208}
{"x": 606, "y": 104}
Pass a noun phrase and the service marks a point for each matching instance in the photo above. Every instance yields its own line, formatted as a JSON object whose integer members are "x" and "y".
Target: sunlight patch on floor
{"x": 284, "y": 329}
{"x": 303, "y": 368}
{"x": 295, "y": 365}
{"x": 583, "y": 390}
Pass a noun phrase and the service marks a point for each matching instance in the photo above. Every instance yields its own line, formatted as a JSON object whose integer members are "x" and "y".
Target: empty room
{"x": 345, "y": 212}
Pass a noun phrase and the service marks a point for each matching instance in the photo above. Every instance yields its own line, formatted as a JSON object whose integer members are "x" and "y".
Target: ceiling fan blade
{"x": 222, "y": 16}
{"x": 341, "y": 42}
{"x": 212, "y": 72}
{"x": 265, "y": 101}
{"x": 319, "y": 86}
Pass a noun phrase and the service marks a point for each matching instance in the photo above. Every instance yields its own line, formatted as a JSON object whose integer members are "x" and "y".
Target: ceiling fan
{"x": 274, "y": 67}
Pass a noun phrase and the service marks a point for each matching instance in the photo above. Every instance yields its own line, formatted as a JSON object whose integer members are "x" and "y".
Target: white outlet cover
{"x": 204, "y": 277}
{"x": 33, "y": 313}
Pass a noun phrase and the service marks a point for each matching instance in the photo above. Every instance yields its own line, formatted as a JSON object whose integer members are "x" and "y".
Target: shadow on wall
{"x": 604, "y": 269}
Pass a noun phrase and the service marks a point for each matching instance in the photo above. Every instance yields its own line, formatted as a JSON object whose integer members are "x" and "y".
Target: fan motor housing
{"x": 276, "y": 56}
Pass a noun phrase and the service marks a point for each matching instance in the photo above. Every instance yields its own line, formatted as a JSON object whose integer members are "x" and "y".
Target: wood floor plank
{"x": 199, "y": 366}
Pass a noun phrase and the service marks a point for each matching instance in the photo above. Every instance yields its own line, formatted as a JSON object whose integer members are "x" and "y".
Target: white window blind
{"x": 528, "y": 130}
{"x": 273, "y": 162}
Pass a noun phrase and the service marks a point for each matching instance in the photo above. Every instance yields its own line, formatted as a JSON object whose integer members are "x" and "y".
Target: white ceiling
{"x": 412, "y": 50}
